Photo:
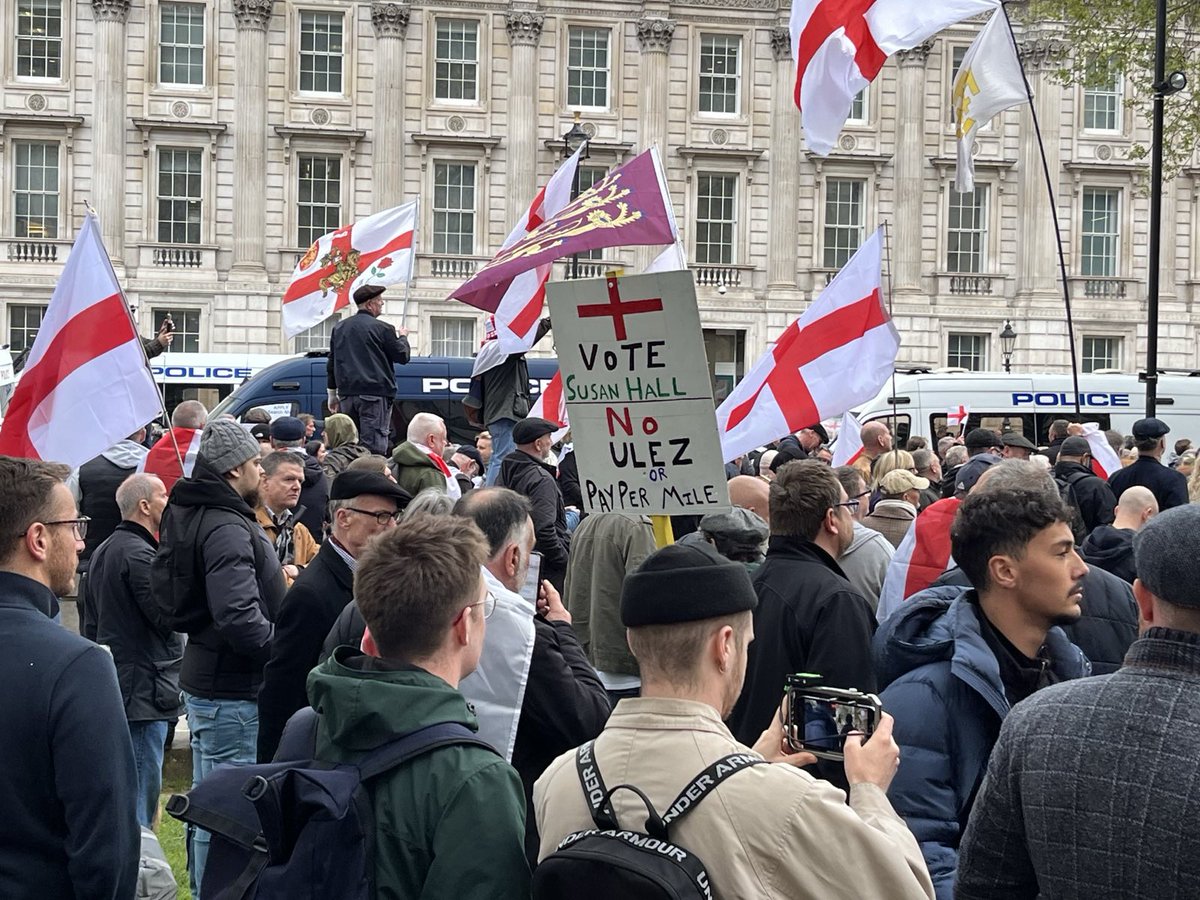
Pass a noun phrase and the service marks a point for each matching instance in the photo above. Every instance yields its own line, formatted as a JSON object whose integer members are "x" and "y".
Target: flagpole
{"x": 1062, "y": 258}
{"x": 887, "y": 244}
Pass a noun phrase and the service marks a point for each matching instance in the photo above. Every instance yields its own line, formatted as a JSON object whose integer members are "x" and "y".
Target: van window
{"x": 997, "y": 422}
{"x": 274, "y": 410}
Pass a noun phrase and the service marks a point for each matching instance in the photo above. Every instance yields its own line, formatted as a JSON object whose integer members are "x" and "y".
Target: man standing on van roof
{"x": 1168, "y": 486}
{"x": 362, "y": 380}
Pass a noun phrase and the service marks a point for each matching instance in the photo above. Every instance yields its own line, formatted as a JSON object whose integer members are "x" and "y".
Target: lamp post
{"x": 575, "y": 138}
{"x": 1008, "y": 343}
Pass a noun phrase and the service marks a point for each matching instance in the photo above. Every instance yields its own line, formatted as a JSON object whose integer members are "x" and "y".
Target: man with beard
{"x": 67, "y": 775}
{"x": 211, "y": 539}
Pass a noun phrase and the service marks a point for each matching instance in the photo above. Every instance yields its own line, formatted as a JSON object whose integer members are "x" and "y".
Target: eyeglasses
{"x": 381, "y": 516}
{"x": 488, "y": 603}
{"x": 866, "y": 493}
{"x": 80, "y": 525}
{"x": 851, "y": 505}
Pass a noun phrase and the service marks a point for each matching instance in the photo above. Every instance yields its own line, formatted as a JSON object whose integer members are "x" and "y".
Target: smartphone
{"x": 818, "y": 719}
{"x": 533, "y": 580}
{"x": 169, "y": 324}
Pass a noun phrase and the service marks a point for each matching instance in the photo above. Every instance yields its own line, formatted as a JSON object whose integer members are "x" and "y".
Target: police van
{"x": 1028, "y": 403}
{"x": 207, "y": 377}
{"x": 435, "y": 384}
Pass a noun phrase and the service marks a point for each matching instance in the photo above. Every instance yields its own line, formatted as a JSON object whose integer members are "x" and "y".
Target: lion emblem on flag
{"x": 345, "y": 265}
{"x": 309, "y": 257}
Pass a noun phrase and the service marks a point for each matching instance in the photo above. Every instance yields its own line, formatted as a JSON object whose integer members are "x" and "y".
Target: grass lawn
{"x": 177, "y": 778}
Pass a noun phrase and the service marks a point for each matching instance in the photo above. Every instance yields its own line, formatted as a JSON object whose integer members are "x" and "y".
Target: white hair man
{"x": 418, "y": 462}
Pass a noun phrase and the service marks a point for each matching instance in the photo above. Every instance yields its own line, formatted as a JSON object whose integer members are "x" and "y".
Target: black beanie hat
{"x": 685, "y": 583}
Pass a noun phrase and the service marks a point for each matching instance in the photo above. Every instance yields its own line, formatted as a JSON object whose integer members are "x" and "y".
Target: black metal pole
{"x": 1156, "y": 165}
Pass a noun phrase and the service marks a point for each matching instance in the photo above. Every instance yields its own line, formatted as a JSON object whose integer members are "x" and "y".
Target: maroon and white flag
{"x": 374, "y": 250}
{"x": 86, "y": 384}
{"x": 839, "y": 354}
{"x": 841, "y": 45}
{"x": 173, "y": 456}
{"x": 849, "y": 446}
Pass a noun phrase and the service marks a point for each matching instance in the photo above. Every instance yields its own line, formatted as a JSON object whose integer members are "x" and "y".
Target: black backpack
{"x": 303, "y": 828}
{"x": 1066, "y": 490}
{"x": 609, "y": 861}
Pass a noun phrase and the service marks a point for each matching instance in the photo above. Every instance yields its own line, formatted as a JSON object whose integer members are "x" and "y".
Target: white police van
{"x": 1028, "y": 403}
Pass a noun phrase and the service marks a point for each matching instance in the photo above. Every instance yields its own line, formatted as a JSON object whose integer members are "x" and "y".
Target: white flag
{"x": 849, "y": 446}
{"x": 989, "y": 81}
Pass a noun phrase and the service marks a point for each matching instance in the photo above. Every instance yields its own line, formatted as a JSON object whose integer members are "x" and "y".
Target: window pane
{"x": 1101, "y": 353}
{"x": 179, "y": 196}
{"x": 451, "y": 336}
{"x": 967, "y": 232}
{"x": 858, "y": 107}
{"x": 456, "y": 59}
{"x": 716, "y": 197}
{"x": 319, "y": 191}
{"x": 321, "y": 52}
{"x": 187, "y": 327}
{"x": 39, "y": 38}
{"x": 24, "y": 320}
{"x": 181, "y": 44}
{"x": 588, "y": 176}
{"x": 843, "y": 220}
{"x": 1102, "y": 98}
{"x": 587, "y": 67}
{"x": 1101, "y": 231}
{"x": 720, "y": 73}
{"x": 967, "y": 351}
{"x": 36, "y": 190}
{"x": 454, "y": 209}
{"x": 315, "y": 338}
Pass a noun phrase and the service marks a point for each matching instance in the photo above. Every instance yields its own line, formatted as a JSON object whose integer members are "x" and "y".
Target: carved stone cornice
{"x": 111, "y": 10}
{"x": 253, "y": 15}
{"x": 917, "y": 56}
{"x": 655, "y": 34}
{"x": 781, "y": 43}
{"x": 1041, "y": 51}
{"x": 390, "y": 19}
{"x": 524, "y": 27}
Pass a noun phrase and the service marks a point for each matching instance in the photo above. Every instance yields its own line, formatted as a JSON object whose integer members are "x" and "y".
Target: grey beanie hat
{"x": 1165, "y": 552}
{"x": 225, "y": 445}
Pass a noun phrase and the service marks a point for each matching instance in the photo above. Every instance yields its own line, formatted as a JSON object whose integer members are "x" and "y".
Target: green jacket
{"x": 414, "y": 470}
{"x": 449, "y": 824}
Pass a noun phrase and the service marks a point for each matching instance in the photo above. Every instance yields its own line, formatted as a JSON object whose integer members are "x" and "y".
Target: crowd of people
{"x": 989, "y": 590}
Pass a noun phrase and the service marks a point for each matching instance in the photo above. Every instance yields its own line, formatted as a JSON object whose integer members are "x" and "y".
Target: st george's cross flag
{"x": 989, "y": 81}
{"x": 86, "y": 384}
{"x": 841, "y": 45}
{"x": 921, "y": 558}
{"x": 1105, "y": 460}
{"x": 173, "y": 456}
{"x": 839, "y": 354}
{"x": 375, "y": 250}
{"x": 849, "y": 446}
{"x": 958, "y": 415}
{"x": 515, "y": 322}
{"x": 551, "y": 405}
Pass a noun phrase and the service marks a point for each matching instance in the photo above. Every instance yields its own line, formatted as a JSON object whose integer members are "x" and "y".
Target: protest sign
{"x": 638, "y": 393}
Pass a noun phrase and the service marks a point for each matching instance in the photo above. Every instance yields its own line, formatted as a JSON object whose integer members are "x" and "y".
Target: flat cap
{"x": 472, "y": 454}
{"x": 1143, "y": 429}
{"x": 356, "y": 483}
{"x": 287, "y": 428}
{"x": 685, "y": 583}
{"x": 737, "y": 525}
{"x": 367, "y": 293}
{"x": 1012, "y": 439}
{"x": 529, "y": 430}
{"x": 1165, "y": 552}
{"x": 819, "y": 431}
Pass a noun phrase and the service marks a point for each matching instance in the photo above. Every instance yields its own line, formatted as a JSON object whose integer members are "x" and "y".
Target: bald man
{"x": 876, "y": 441}
{"x": 750, "y": 493}
{"x": 1110, "y": 547}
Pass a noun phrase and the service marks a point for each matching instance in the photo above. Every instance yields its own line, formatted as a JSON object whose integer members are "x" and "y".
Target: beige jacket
{"x": 766, "y": 832}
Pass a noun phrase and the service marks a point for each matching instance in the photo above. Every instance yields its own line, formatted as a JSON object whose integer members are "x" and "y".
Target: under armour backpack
{"x": 609, "y": 861}
{"x": 302, "y": 829}
{"x": 1066, "y": 490}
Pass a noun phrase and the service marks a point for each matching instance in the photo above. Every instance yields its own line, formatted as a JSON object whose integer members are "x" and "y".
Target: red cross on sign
{"x": 618, "y": 309}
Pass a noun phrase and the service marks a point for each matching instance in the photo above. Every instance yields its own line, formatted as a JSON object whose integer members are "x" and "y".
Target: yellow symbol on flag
{"x": 965, "y": 90}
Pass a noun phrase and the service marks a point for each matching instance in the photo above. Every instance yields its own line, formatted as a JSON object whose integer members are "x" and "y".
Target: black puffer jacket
{"x": 1111, "y": 549}
{"x": 147, "y": 653}
{"x": 536, "y": 480}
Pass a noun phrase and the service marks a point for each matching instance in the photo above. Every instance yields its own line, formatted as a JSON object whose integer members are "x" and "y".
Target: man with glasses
{"x": 361, "y": 505}
{"x": 451, "y": 822}
{"x": 809, "y": 617}
{"x": 418, "y": 462}
{"x": 67, "y": 772}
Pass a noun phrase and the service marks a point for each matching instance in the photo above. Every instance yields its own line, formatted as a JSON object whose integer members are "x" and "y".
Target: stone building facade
{"x": 217, "y": 138}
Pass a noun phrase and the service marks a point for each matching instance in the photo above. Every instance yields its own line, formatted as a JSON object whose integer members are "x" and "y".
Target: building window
{"x": 587, "y": 67}
{"x": 451, "y": 336}
{"x": 319, "y": 193}
{"x": 957, "y": 55}
{"x": 315, "y": 338}
{"x": 1101, "y": 353}
{"x": 966, "y": 236}
{"x": 588, "y": 176}
{"x": 187, "y": 327}
{"x": 967, "y": 351}
{"x": 1102, "y": 98}
{"x": 179, "y": 185}
{"x": 181, "y": 44}
{"x": 858, "y": 109}
{"x": 24, "y": 320}
{"x": 843, "y": 220}
{"x": 39, "y": 38}
{"x": 321, "y": 52}
{"x": 456, "y": 60}
{"x": 35, "y": 194}
{"x": 454, "y": 209}
{"x": 1101, "y": 231}
{"x": 716, "y": 216}
{"x": 720, "y": 73}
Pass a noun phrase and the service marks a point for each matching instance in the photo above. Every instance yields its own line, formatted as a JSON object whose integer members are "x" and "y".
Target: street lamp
{"x": 1008, "y": 343}
{"x": 575, "y": 138}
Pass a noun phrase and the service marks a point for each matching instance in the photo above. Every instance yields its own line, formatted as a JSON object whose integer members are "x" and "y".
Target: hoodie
{"x": 94, "y": 485}
{"x": 449, "y": 823}
{"x": 1111, "y": 549}
{"x": 865, "y": 562}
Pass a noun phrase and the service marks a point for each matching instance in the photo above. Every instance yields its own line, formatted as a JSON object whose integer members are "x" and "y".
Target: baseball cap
{"x": 898, "y": 481}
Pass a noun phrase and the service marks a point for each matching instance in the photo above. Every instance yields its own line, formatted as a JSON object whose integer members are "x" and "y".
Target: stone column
{"x": 654, "y": 36}
{"x": 1168, "y": 277}
{"x": 785, "y": 167}
{"x": 108, "y": 122}
{"x": 250, "y": 134}
{"x": 391, "y": 22}
{"x": 910, "y": 166}
{"x": 524, "y": 31}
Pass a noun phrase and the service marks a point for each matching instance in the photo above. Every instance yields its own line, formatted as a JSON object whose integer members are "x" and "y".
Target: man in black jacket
{"x": 525, "y": 471}
{"x": 362, "y": 379}
{"x": 287, "y": 433}
{"x": 362, "y": 505}
{"x": 809, "y": 617}
{"x": 1086, "y": 493}
{"x": 1170, "y": 487}
{"x": 210, "y": 537}
{"x": 147, "y": 653}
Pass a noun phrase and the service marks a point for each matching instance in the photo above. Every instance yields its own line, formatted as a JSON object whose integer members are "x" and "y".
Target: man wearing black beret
{"x": 526, "y": 471}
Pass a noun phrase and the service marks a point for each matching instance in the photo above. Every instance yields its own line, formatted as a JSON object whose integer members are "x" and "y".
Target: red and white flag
{"x": 849, "y": 446}
{"x": 164, "y": 460}
{"x": 1105, "y": 460}
{"x": 957, "y": 415}
{"x": 374, "y": 250}
{"x": 841, "y": 45}
{"x": 516, "y": 319}
{"x": 86, "y": 384}
{"x": 921, "y": 558}
{"x": 551, "y": 405}
{"x": 839, "y": 354}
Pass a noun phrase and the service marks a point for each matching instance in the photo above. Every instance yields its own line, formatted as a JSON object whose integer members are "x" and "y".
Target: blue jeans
{"x": 148, "y": 747}
{"x": 223, "y": 731}
{"x": 573, "y": 518}
{"x": 502, "y": 444}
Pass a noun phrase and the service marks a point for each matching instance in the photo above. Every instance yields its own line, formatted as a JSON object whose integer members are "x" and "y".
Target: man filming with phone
{"x": 767, "y": 830}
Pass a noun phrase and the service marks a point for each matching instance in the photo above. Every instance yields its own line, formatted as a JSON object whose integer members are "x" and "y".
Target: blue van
{"x": 435, "y": 384}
